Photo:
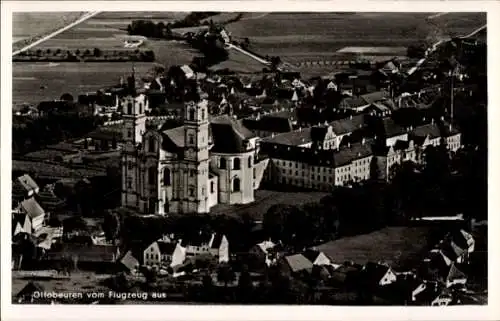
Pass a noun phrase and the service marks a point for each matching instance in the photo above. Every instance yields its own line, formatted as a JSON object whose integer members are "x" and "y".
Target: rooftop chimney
{"x": 363, "y": 141}
{"x": 432, "y": 121}
{"x": 350, "y": 117}
{"x": 349, "y": 145}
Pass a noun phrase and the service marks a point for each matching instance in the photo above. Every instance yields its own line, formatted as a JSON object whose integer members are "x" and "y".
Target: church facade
{"x": 187, "y": 169}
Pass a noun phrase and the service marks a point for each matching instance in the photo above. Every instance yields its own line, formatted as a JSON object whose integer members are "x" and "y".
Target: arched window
{"x": 222, "y": 164}
{"x": 212, "y": 186}
{"x": 236, "y": 185}
{"x": 166, "y": 177}
{"x": 151, "y": 144}
{"x": 129, "y": 108}
{"x": 140, "y": 108}
{"x": 236, "y": 163}
{"x": 250, "y": 162}
{"x": 191, "y": 139}
{"x": 202, "y": 114}
{"x": 191, "y": 114}
{"x": 152, "y": 176}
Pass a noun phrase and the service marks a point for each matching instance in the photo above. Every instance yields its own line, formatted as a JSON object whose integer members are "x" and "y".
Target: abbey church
{"x": 187, "y": 169}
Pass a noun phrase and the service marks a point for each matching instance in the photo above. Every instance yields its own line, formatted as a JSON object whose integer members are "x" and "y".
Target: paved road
{"x": 55, "y": 33}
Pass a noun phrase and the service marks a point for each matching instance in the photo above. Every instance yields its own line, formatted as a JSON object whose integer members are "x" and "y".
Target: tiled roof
{"x": 429, "y": 129}
{"x": 374, "y": 271}
{"x": 298, "y": 262}
{"x": 353, "y": 102}
{"x": 27, "y": 182}
{"x": 93, "y": 253}
{"x": 129, "y": 261}
{"x": 217, "y": 240}
{"x": 166, "y": 247}
{"x": 311, "y": 254}
{"x": 176, "y": 136}
{"x": 348, "y": 125}
{"x": 391, "y": 128}
{"x": 294, "y": 138}
{"x": 375, "y": 96}
{"x": 32, "y": 208}
{"x": 454, "y": 273}
{"x": 356, "y": 151}
{"x": 228, "y": 135}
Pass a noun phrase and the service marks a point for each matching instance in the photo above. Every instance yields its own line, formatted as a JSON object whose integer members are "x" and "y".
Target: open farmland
{"x": 27, "y": 25}
{"x": 264, "y": 199}
{"x": 34, "y": 82}
{"x": 239, "y": 63}
{"x": 300, "y": 37}
{"x": 400, "y": 247}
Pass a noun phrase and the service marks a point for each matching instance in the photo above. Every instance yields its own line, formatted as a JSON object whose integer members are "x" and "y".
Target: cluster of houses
{"x": 439, "y": 279}
{"x": 171, "y": 256}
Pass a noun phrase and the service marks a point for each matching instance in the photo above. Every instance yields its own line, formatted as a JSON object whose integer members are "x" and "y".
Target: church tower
{"x": 134, "y": 126}
{"x": 196, "y": 157}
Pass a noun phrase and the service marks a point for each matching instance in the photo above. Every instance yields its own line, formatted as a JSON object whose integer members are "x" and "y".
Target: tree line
{"x": 89, "y": 55}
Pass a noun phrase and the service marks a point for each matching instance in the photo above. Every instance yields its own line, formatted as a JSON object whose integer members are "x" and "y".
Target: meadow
{"x": 301, "y": 37}
{"x": 35, "y": 82}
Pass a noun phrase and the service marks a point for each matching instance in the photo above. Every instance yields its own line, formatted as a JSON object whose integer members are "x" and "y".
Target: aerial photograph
{"x": 249, "y": 158}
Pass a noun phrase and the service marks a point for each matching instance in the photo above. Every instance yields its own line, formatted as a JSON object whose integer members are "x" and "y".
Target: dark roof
{"x": 104, "y": 133}
{"x": 32, "y": 208}
{"x": 293, "y": 138}
{"x": 29, "y": 289}
{"x": 166, "y": 247}
{"x": 375, "y": 96}
{"x": 348, "y": 125}
{"x": 353, "y": 102}
{"x": 318, "y": 133}
{"x": 175, "y": 137}
{"x": 298, "y": 262}
{"x": 271, "y": 123}
{"x": 356, "y": 151}
{"x": 428, "y": 129}
{"x": 93, "y": 253}
{"x": 48, "y": 199}
{"x": 311, "y": 254}
{"x": 391, "y": 128}
{"x": 373, "y": 272}
{"x": 196, "y": 239}
{"x": 228, "y": 135}
{"x": 454, "y": 273}
{"x": 217, "y": 240}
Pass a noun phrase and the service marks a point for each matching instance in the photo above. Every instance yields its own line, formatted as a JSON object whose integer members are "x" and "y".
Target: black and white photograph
{"x": 334, "y": 158}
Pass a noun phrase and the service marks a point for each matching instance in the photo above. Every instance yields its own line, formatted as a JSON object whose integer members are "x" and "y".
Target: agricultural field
{"x": 400, "y": 247}
{"x": 26, "y": 25}
{"x": 35, "y": 82}
{"x": 240, "y": 63}
{"x": 301, "y": 37}
{"x": 264, "y": 199}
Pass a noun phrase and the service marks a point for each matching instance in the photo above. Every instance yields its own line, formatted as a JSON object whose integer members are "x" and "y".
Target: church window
{"x": 192, "y": 173}
{"x": 212, "y": 187}
{"x": 152, "y": 176}
{"x": 236, "y": 185}
{"x": 129, "y": 165}
{"x": 250, "y": 162}
{"x": 236, "y": 164}
{"x": 166, "y": 177}
{"x": 191, "y": 191}
{"x": 129, "y": 133}
{"x": 129, "y": 183}
{"x": 166, "y": 207}
{"x": 222, "y": 163}
{"x": 203, "y": 191}
{"x": 254, "y": 173}
{"x": 151, "y": 144}
{"x": 129, "y": 108}
{"x": 140, "y": 108}
{"x": 203, "y": 114}
{"x": 191, "y": 139}
{"x": 191, "y": 114}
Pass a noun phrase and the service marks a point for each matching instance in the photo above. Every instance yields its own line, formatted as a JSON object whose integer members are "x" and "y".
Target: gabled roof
{"x": 30, "y": 288}
{"x": 376, "y": 96}
{"x": 391, "y": 128}
{"x": 454, "y": 274}
{"x": 348, "y": 125}
{"x": 298, "y": 262}
{"x": 175, "y": 136}
{"x": 265, "y": 246}
{"x": 294, "y": 138}
{"x": 217, "y": 240}
{"x": 346, "y": 155}
{"x": 311, "y": 254}
{"x": 374, "y": 272}
{"x": 166, "y": 247}
{"x": 432, "y": 130}
{"x": 27, "y": 182}
{"x": 353, "y": 102}
{"x": 32, "y": 208}
{"x": 229, "y": 135}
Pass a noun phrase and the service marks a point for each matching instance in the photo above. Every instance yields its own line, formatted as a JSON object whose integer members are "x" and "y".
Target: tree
{"x": 97, "y": 52}
{"x": 225, "y": 274}
{"x": 67, "y": 97}
{"x": 245, "y": 285}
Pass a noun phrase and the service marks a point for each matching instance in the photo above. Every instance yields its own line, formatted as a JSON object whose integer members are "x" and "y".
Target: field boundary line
{"x": 55, "y": 33}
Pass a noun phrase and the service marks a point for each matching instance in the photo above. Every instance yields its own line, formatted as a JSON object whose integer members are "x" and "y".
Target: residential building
{"x": 215, "y": 245}
{"x": 317, "y": 257}
{"x": 264, "y": 252}
{"x": 377, "y": 274}
{"x": 164, "y": 253}
{"x": 295, "y": 264}
{"x": 29, "y": 210}
{"x": 24, "y": 187}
